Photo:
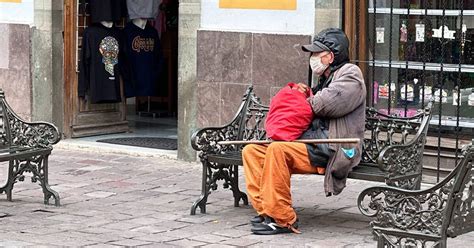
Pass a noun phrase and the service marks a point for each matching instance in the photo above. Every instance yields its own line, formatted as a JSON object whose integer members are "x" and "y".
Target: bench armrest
{"x": 399, "y": 160}
{"x": 404, "y": 209}
{"x": 206, "y": 139}
{"x": 32, "y": 134}
{"x": 444, "y": 207}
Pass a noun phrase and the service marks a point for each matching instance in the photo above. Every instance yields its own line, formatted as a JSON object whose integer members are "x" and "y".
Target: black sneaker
{"x": 270, "y": 227}
{"x": 257, "y": 220}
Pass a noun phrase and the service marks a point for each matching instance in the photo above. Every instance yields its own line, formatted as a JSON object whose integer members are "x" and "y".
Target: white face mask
{"x": 316, "y": 65}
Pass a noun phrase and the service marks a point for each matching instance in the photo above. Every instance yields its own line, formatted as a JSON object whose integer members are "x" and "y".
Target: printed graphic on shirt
{"x": 145, "y": 44}
{"x": 109, "y": 49}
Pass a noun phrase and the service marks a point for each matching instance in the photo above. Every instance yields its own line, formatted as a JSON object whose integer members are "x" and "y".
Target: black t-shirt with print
{"x": 99, "y": 79}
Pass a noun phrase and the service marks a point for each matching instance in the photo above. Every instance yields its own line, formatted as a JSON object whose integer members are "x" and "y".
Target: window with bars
{"x": 423, "y": 49}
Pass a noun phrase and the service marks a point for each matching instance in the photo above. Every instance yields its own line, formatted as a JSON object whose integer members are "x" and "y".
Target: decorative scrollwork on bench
{"x": 414, "y": 217}
{"x": 387, "y": 130}
{"x": 400, "y": 160}
{"x": 26, "y": 146}
{"x": 31, "y": 134}
{"x": 207, "y": 139}
{"x": 405, "y": 211}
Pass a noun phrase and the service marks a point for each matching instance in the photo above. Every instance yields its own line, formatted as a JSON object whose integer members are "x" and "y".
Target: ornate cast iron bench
{"x": 423, "y": 218}
{"x": 392, "y": 149}
{"x": 26, "y": 146}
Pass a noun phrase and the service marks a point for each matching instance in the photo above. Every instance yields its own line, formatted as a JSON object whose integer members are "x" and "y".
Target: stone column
{"x": 189, "y": 22}
{"x": 47, "y": 61}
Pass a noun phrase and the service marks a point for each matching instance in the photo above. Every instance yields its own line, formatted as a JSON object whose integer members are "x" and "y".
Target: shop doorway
{"x": 151, "y": 115}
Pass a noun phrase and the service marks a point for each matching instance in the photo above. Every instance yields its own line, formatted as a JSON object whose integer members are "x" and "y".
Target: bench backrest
{"x": 5, "y": 132}
{"x": 384, "y": 130}
{"x": 250, "y": 117}
{"x": 16, "y": 132}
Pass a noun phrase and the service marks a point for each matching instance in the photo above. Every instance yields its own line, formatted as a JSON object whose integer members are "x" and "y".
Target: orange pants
{"x": 268, "y": 169}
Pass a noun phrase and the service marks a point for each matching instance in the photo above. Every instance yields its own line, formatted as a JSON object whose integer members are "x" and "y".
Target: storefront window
{"x": 418, "y": 49}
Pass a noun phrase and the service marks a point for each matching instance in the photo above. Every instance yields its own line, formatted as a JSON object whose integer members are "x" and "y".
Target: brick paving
{"x": 114, "y": 200}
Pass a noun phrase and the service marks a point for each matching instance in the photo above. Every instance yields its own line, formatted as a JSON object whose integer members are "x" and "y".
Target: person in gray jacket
{"x": 338, "y": 103}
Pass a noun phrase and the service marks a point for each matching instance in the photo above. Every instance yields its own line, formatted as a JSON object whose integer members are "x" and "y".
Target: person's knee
{"x": 248, "y": 149}
{"x": 275, "y": 147}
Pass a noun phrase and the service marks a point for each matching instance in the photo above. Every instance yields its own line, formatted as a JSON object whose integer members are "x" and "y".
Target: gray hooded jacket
{"x": 343, "y": 104}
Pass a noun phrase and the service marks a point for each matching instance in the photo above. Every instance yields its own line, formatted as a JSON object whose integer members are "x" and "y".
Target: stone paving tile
{"x": 15, "y": 244}
{"x": 186, "y": 243}
{"x": 160, "y": 245}
{"x": 241, "y": 242}
{"x": 68, "y": 218}
{"x": 130, "y": 242}
{"x": 169, "y": 190}
{"x": 231, "y": 233}
{"x": 102, "y": 246}
{"x": 122, "y": 225}
{"x": 172, "y": 225}
{"x": 160, "y": 237}
{"x": 209, "y": 238}
{"x": 150, "y": 229}
{"x": 104, "y": 237}
{"x": 218, "y": 246}
{"x": 100, "y": 194}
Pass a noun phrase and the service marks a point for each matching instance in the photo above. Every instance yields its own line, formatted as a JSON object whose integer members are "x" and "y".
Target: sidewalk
{"x": 112, "y": 199}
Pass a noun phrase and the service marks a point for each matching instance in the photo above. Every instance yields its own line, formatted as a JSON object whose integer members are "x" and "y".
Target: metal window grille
{"x": 418, "y": 50}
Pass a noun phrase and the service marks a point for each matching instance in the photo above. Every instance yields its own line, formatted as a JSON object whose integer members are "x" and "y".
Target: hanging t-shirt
{"x": 143, "y": 60}
{"x": 108, "y": 10}
{"x": 98, "y": 69}
{"x": 143, "y": 9}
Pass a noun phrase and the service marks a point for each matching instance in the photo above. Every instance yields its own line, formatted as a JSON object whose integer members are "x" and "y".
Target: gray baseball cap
{"x": 315, "y": 47}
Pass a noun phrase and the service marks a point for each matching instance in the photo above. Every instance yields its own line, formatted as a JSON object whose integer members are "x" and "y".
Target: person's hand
{"x": 303, "y": 88}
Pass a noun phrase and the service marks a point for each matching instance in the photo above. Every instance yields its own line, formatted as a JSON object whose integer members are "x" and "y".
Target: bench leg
{"x": 213, "y": 173}
{"x": 205, "y": 190}
{"x": 38, "y": 166}
{"x": 8, "y": 187}
{"x": 47, "y": 191}
{"x": 238, "y": 195}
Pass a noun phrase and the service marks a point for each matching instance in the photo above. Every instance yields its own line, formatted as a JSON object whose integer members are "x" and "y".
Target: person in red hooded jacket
{"x": 338, "y": 103}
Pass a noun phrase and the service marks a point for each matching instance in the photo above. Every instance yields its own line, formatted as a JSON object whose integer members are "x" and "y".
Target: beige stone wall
{"x": 228, "y": 62}
{"x": 15, "y": 73}
{"x": 31, "y": 65}
{"x": 328, "y": 14}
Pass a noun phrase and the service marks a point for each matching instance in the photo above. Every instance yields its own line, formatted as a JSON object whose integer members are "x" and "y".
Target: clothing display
{"x": 98, "y": 68}
{"x": 108, "y": 10}
{"x": 143, "y": 9}
{"x": 143, "y": 60}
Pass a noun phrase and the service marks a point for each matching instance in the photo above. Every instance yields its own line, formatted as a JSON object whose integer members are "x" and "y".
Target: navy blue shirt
{"x": 143, "y": 60}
